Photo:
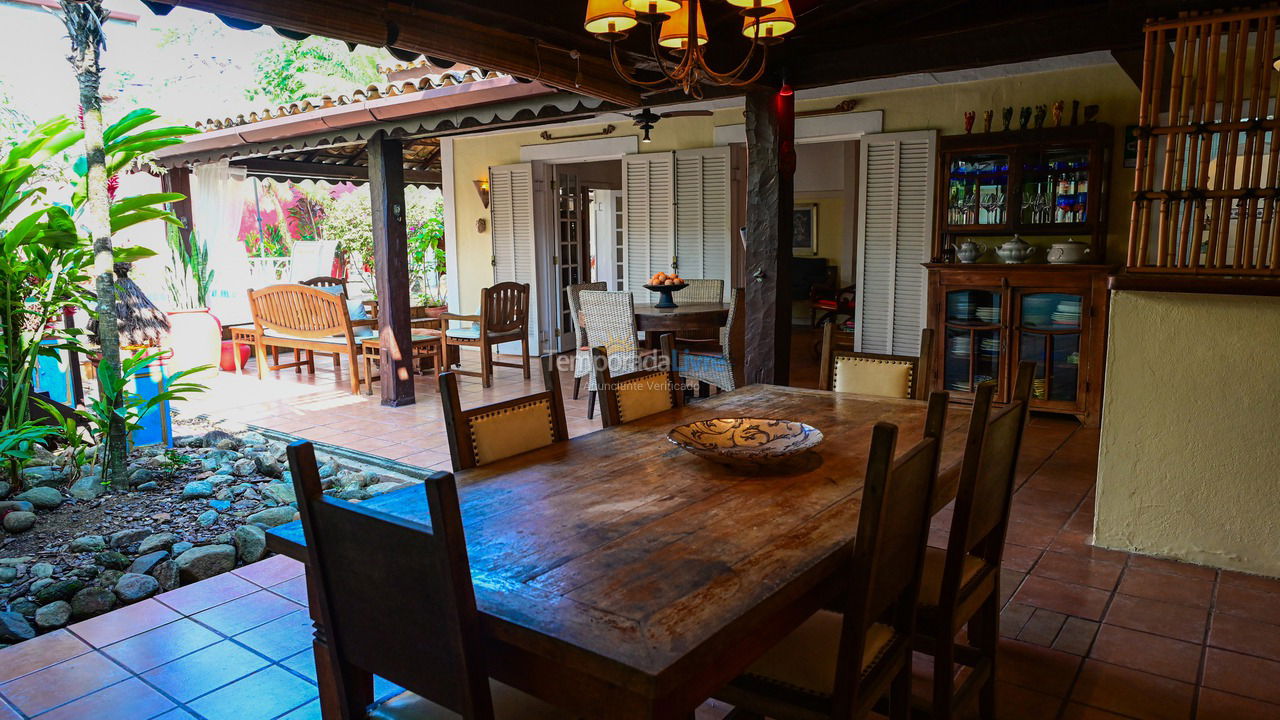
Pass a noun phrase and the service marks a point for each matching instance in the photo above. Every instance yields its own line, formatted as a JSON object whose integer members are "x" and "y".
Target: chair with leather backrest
{"x": 492, "y": 432}
{"x": 582, "y": 353}
{"x": 961, "y": 584}
{"x": 900, "y": 376}
{"x": 410, "y": 616}
{"x": 631, "y": 396}
{"x": 839, "y": 665}
{"x": 503, "y": 318}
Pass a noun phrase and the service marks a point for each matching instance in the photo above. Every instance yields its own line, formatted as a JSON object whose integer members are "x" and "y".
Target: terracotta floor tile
{"x": 1078, "y": 570}
{"x": 7, "y": 712}
{"x": 1031, "y": 534}
{"x": 265, "y": 694}
{"x": 176, "y": 714}
{"x": 272, "y": 571}
{"x": 1182, "y": 622}
{"x": 1173, "y": 567}
{"x": 281, "y": 637}
{"x": 1169, "y": 588}
{"x": 1150, "y": 653}
{"x": 1245, "y": 636}
{"x": 1257, "y": 583}
{"x": 1014, "y": 702}
{"x": 157, "y": 647}
{"x": 1035, "y": 667}
{"x": 1076, "y": 711}
{"x": 1216, "y": 705}
{"x": 1132, "y": 693}
{"x": 1013, "y": 618}
{"x": 124, "y": 622}
{"x": 1076, "y": 636}
{"x": 310, "y": 711}
{"x": 204, "y": 670}
{"x": 39, "y": 653}
{"x": 1066, "y": 598}
{"x": 1244, "y": 601}
{"x": 295, "y": 589}
{"x": 1017, "y": 557}
{"x": 62, "y": 683}
{"x": 246, "y": 612}
{"x": 1251, "y": 677}
{"x": 129, "y": 700}
{"x": 205, "y": 594}
{"x": 303, "y": 663}
{"x": 1042, "y": 627}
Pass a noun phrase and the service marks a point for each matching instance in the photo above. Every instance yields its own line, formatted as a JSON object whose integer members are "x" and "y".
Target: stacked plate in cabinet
{"x": 1038, "y": 309}
{"x": 1067, "y": 313}
{"x": 989, "y": 346}
{"x": 959, "y": 307}
{"x": 960, "y": 346}
{"x": 989, "y": 315}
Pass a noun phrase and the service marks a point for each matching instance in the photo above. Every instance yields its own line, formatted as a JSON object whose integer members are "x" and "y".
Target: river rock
{"x": 24, "y": 607}
{"x": 204, "y": 562}
{"x": 109, "y": 577}
{"x": 207, "y": 518}
{"x": 8, "y": 574}
{"x": 253, "y": 438}
{"x": 127, "y": 537}
{"x": 87, "y": 543}
{"x": 133, "y": 587}
{"x": 15, "y": 628}
{"x": 166, "y": 573}
{"x": 92, "y": 601}
{"x": 54, "y": 615}
{"x": 58, "y": 590}
{"x": 251, "y": 543}
{"x": 144, "y": 564}
{"x": 244, "y": 467}
{"x": 382, "y": 487}
{"x": 353, "y": 492}
{"x": 42, "y": 583}
{"x": 44, "y": 498}
{"x": 271, "y": 517}
{"x": 197, "y": 489}
{"x": 188, "y": 441}
{"x": 112, "y": 559}
{"x": 222, "y": 440}
{"x": 144, "y": 475}
{"x": 280, "y": 492}
{"x": 220, "y": 505}
{"x": 19, "y": 521}
{"x": 267, "y": 466}
{"x": 44, "y": 476}
{"x": 158, "y": 541}
{"x": 87, "y": 487}
{"x": 18, "y": 505}
{"x": 5, "y": 488}
{"x": 42, "y": 570}
{"x": 180, "y": 547}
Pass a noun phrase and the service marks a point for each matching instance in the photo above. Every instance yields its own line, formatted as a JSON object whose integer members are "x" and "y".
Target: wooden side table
{"x": 427, "y": 346}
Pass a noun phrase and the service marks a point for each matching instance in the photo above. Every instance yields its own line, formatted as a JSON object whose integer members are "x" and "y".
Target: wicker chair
{"x": 493, "y": 432}
{"x": 628, "y": 397}
{"x": 582, "y": 356}
{"x": 899, "y": 376}
{"x": 714, "y": 367}
{"x": 610, "y": 319}
{"x": 708, "y": 290}
{"x": 503, "y": 317}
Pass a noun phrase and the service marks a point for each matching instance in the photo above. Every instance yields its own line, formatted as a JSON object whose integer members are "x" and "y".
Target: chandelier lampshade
{"x": 770, "y": 26}
{"x": 754, "y": 8}
{"x": 664, "y": 7}
{"x": 675, "y": 31}
{"x": 609, "y": 18}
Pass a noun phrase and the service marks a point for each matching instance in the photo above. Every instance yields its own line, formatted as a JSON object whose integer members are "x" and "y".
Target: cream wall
{"x": 1189, "y": 464}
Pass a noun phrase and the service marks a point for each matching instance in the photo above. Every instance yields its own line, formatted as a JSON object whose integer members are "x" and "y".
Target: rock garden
{"x": 73, "y": 548}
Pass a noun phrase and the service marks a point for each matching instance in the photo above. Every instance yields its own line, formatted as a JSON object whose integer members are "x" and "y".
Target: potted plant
{"x": 426, "y": 260}
{"x": 195, "y": 337}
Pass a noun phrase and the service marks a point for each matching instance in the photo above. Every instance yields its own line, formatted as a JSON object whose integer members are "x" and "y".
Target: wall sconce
{"x": 482, "y": 189}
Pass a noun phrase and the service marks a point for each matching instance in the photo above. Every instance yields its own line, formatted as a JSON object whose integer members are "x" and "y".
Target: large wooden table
{"x": 621, "y": 577}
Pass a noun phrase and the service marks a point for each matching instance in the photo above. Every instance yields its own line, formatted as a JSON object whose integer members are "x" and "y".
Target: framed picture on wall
{"x": 804, "y": 226}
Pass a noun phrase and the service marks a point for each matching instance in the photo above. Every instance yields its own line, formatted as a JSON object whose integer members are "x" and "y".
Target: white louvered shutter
{"x": 895, "y": 224}
{"x": 648, "y": 218}
{"x": 702, "y": 214}
{"x": 511, "y": 227}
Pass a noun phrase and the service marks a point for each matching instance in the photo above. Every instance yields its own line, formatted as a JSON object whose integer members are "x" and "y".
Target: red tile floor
{"x": 1088, "y": 634}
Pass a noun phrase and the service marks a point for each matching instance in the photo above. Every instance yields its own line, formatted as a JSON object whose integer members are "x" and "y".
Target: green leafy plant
{"x": 347, "y": 220}
{"x": 188, "y": 276}
{"x": 312, "y": 67}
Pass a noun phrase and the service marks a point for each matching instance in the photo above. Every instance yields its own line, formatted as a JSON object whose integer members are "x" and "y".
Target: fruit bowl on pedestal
{"x": 664, "y": 293}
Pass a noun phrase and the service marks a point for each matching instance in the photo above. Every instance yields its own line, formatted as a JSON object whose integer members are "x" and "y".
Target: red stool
{"x": 232, "y": 360}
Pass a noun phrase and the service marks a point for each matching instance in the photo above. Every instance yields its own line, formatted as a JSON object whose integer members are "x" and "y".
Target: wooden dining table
{"x": 619, "y": 576}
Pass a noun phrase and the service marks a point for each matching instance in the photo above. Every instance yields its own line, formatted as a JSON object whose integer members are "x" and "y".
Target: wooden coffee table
{"x": 427, "y": 346}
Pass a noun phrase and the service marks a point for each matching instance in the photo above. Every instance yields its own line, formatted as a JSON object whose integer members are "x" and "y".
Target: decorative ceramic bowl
{"x": 746, "y": 442}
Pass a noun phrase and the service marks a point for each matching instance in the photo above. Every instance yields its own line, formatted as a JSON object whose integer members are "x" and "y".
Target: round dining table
{"x": 652, "y": 320}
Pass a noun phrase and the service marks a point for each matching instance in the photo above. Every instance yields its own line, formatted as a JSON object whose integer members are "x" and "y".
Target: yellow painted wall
{"x": 831, "y": 232}
{"x": 1189, "y": 465}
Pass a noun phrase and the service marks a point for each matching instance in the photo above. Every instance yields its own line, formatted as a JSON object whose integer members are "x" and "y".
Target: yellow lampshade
{"x": 675, "y": 31}
{"x": 773, "y": 25}
{"x": 666, "y": 7}
{"x": 754, "y": 7}
{"x": 609, "y": 17}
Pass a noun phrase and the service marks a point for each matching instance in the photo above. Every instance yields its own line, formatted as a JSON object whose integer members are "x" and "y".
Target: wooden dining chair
{"x": 961, "y": 585}
{"x": 503, "y": 318}
{"x": 898, "y": 376}
{"x": 582, "y": 352}
{"x": 630, "y": 396}
{"x": 410, "y": 617}
{"x": 839, "y": 665}
{"x": 493, "y": 432}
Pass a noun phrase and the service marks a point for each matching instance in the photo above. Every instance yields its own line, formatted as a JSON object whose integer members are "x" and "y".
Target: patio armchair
{"x": 397, "y": 602}
{"x": 897, "y": 376}
{"x": 582, "y": 355}
{"x": 492, "y": 432}
{"x": 631, "y": 396}
{"x": 503, "y": 318}
{"x": 842, "y": 664}
{"x": 305, "y": 320}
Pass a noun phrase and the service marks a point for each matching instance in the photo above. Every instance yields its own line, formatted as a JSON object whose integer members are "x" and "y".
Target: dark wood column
{"x": 391, "y": 268}
{"x": 178, "y": 180}
{"x": 771, "y": 169}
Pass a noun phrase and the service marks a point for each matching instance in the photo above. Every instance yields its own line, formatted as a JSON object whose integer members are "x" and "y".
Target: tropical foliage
{"x": 295, "y": 70}
{"x": 348, "y": 219}
{"x": 188, "y": 275}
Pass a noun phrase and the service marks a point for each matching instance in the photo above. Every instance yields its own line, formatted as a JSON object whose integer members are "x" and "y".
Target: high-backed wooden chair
{"x": 326, "y": 281}
{"x": 493, "y": 432}
{"x": 411, "y": 616}
{"x": 961, "y": 584}
{"x": 838, "y": 665}
{"x": 899, "y": 376}
{"x": 631, "y": 396}
{"x": 503, "y": 318}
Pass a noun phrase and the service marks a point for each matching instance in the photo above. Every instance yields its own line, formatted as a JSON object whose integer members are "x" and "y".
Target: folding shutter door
{"x": 702, "y": 213}
{"x": 895, "y": 225}
{"x": 511, "y": 223}
{"x": 648, "y": 218}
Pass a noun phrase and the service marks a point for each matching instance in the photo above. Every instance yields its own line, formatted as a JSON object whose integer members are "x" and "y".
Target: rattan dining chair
{"x": 503, "y": 318}
{"x": 410, "y": 617}
{"x": 702, "y": 290}
{"x": 582, "y": 354}
{"x": 492, "y": 432}
{"x": 631, "y": 396}
{"x": 610, "y": 319}
{"x": 961, "y": 584}
{"x": 840, "y": 665}
{"x": 897, "y": 376}
{"x": 714, "y": 367}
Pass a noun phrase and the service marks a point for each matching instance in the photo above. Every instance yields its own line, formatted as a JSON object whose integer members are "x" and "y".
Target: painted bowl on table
{"x": 746, "y": 442}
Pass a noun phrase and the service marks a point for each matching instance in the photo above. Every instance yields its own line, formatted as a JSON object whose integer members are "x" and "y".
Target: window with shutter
{"x": 511, "y": 228}
{"x": 648, "y": 218}
{"x": 702, "y": 214}
{"x": 895, "y": 222}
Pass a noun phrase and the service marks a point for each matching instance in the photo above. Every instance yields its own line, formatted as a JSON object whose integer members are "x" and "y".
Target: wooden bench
{"x": 306, "y": 320}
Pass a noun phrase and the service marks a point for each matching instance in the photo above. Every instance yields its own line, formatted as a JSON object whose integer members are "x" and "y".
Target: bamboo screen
{"x": 1205, "y": 197}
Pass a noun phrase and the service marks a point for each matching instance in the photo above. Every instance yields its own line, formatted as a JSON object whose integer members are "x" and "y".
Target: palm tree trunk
{"x": 84, "y": 26}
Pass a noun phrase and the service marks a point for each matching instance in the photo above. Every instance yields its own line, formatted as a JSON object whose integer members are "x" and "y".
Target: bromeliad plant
{"x": 188, "y": 275}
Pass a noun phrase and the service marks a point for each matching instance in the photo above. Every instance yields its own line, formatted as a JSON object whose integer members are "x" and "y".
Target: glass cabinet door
{"x": 972, "y": 339}
{"x": 978, "y": 190}
{"x": 1055, "y": 187}
{"x": 1049, "y": 335}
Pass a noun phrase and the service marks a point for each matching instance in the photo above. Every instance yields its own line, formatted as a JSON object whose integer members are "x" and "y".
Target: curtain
{"x": 218, "y": 205}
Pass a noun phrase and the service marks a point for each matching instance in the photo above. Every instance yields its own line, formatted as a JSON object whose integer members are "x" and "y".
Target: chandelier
{"x": 678, "y": 38}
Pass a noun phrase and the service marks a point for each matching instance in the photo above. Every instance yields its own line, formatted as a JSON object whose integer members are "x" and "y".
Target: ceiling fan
{"x": 647, "y": 118}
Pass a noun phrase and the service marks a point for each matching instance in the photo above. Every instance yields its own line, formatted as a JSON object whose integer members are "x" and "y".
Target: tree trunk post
{"x": 391, "y": 268}
{"x": 771, "y": 167}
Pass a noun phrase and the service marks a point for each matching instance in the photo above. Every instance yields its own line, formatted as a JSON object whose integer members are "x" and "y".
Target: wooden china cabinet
{"x": 1045, "y": 185}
